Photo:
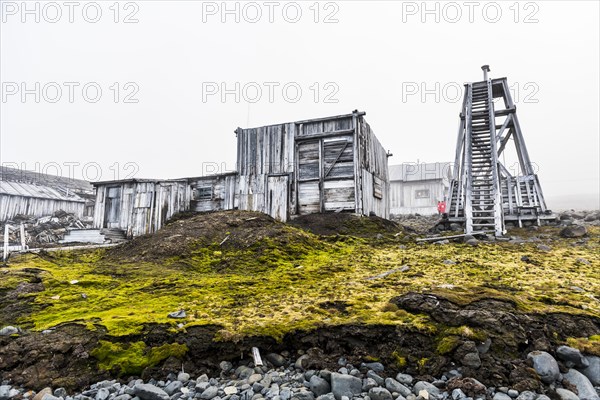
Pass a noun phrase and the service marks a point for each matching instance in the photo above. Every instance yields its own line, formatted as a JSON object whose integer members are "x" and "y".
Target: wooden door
{"x": 326, "y": 180}
{"x": 277, "y": 197}
{"x": 112, "y": 208}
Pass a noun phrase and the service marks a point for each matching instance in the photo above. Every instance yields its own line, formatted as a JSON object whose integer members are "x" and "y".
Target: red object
{"x": 441, "y": 207}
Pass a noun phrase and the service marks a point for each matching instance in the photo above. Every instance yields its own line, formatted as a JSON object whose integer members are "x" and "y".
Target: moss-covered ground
{"x": 297, "y": 280}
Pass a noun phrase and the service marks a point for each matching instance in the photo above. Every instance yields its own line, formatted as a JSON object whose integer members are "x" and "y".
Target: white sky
{"x": 374, "y": 58}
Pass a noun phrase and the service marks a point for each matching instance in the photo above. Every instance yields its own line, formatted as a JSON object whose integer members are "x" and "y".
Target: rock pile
{"x": 571, "y": 378}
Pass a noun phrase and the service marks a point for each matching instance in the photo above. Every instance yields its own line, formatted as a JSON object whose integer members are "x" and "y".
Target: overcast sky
{"x": 162, "y": 68}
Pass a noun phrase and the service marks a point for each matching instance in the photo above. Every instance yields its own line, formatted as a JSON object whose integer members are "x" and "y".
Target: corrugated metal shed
{"x": 36, "y": 191}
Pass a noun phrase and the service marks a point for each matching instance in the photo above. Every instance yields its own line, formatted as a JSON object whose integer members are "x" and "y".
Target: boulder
{"x": 572, "y": 357}
{"x": 545, "y": 365}
{"x": 592, "y": 372}
{"x": 394, "y": 386}
{"x": 573, "y": 231}
{"x": 428, "y": 387}
{"x": 584, "y": 387}
{"x": 276, "y": 359}
{"x": 149, "y": 392}
{"x": 375, "y": 366}
{"x": 345, "y": 385}
{"x": 565, "y": 394}
{"x": 379, "y": 393}
{"x": 319, "y": 386}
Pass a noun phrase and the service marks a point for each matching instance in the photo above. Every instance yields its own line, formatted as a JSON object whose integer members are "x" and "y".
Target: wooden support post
{"x": 5, "y": 250}
{"x": 22, "y": 234}
{"x": 256, "y": 356}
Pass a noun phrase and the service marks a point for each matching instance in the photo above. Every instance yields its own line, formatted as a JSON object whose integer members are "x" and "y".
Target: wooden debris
{"x": 435, "y": 239}
{"x": 256, "y": 355}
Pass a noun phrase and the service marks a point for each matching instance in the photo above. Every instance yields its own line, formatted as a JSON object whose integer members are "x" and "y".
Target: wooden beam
{"x": 435, "y": 239}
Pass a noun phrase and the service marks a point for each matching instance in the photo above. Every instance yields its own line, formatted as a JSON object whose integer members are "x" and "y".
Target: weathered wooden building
{"x": 139, "y": 206}
{"x": 416, "y": 188}
{"x": 284, "y": 170}
{"x": 312, "y": 166}
{"x": 36, "y": 200}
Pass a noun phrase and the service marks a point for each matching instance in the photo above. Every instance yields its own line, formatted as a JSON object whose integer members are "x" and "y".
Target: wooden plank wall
{"x": 223, "y": 193}
{"x": 373, "y": 167}
{"x": 10, "y": 206}
{"x": 263, "y": 152}
{"x": 144, "y": 206}
{"x": 403, "y": 197}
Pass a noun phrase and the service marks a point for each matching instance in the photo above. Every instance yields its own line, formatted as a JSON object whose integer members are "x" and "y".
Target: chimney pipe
{"x": 486, "y": 69}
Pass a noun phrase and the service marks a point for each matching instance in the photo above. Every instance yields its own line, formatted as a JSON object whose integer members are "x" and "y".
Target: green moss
{"x": 275, "y": 285}
{"x": 589, "y": 345}
{"x": 399, "y": 359}
{"x": 133, "y": 358}
{"x": 447, "y": 345}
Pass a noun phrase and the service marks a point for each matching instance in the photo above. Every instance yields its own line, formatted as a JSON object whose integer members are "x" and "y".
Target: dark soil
{"x": 345, "y": 224}
{"x": 238, "y": 230}
{"x": 62, "y": 358}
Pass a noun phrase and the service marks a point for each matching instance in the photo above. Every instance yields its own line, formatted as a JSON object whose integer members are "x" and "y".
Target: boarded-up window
{"x": 422, "y": 194}
{"x": 377, "y": 188}
{"x": 308, "y": 161}
{"x": 203, "y": 193}
{"x": 338, "y": 158}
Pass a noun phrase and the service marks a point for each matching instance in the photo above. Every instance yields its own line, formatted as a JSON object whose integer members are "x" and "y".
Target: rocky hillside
{"x": 207, "y": 288}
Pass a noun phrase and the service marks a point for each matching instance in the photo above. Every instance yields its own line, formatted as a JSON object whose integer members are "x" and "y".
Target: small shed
{"x": 36, "y": 200}
{"x": 313, "y": 166}
{"x": 416, "y": 188}
{"x": 139, "y": 206}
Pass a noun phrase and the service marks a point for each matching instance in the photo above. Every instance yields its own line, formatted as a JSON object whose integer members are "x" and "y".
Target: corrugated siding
{"x": 10, "y": 206}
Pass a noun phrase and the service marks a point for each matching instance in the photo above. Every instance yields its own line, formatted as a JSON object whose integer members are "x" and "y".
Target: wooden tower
{"x": 484, "y": 194}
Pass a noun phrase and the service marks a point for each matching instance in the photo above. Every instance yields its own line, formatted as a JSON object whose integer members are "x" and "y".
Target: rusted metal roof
{"x": 420, "y": 171}
{"x": 37, "y": 191}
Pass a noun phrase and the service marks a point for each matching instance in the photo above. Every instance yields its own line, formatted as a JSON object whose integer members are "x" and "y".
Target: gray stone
{"x": 325, "y": 374}
{"x": 8, "y": 330}
{"x": 593, "y": 370}
{"x": 543, "y": 247}
{"x": 375, "y": 366}
{"x": 276, "y": 359}
{"x": 513, "y": 393}
{"x": 225, "y": 366}
{"x": 302, "y": 362}
{"x": 345, "y": 385}
{"x": 149, "y": 392}
{"x": 572, "y": 357}
{"x": 173, "y": 387}
{"x": 379, "y": 393}
{"x": 328, "y": 396}
{"x": 49, "y": 396}
{"x": 458, "y": 394}
{"x": 378, "y": 379}
{"x": 472, "y": 242}
{"x": 573, "y": 231}
{"x": 209, "y": 393}
{"x": 319, "y": 386}
{"x": 368, "y": 384}
{"x": 243, "y": 372}
{"x": 254, "y": 378}
{"x": 394, "y": 386}
{"x": 60, "y": 392}
{"x": 229, "y": 390}
{"x": 177, "y": 314}
{"x": 584, "y": 386}
{"x": 471, "y": 360}
{"x": 527, "y": 395}
{"x": 303, "y": 395}
{"x": 428, "y": 387}
{"x": 124, "y": 397}
{"x": 501, "y": 396}
{"x": 545, "y": 365}
{"x": 102, "y": 394}
{"x": 565, "y": 394}
{"x": 285, "y": 394}
{"x": 542, "y": 397}
{"x": 183, "y": 377}
{"x": 404, "y": 379}
{"x": 4, "y": 390}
